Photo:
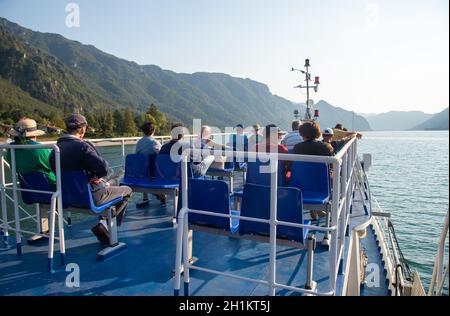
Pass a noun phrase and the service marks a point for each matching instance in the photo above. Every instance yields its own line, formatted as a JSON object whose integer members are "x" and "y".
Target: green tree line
{"x": 104, "y": 123}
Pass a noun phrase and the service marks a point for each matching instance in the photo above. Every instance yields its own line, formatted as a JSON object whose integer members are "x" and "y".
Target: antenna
{"x": 315, "y": 87}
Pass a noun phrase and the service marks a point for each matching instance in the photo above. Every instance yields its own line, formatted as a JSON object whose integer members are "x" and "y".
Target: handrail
{"x": 343, "y": 185}
{"x": 439, "y": 274}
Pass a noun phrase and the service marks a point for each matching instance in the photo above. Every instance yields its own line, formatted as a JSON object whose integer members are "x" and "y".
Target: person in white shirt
{"x": 293, "y": 138}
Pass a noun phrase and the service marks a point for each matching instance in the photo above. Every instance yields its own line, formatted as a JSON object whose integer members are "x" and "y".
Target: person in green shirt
{"x": 25, "y": 132}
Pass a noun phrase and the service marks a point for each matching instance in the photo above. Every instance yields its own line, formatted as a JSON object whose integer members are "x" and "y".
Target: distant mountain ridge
{"x": 64, "y": 74}
{"x": 438, "y": 121}
{"x": 397, "y": 120}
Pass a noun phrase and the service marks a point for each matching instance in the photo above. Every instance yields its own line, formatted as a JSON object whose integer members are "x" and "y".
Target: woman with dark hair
{"x": 310, "y": 132}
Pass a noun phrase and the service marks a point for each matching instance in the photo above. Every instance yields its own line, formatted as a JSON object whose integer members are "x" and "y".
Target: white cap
{"x": 328, "y": 131}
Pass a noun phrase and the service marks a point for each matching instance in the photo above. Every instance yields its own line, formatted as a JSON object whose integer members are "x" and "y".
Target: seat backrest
{"x": 211, "y": 196}
{"x": 35, "y": 181}
{"x": 258, "y": 173}
{"x": 137, "y": 166}
{"x": 75, "y": 189}
{"x": 166, "y": 169}
{"x": 310, "y": 177}
{"x": 256, "y": 204}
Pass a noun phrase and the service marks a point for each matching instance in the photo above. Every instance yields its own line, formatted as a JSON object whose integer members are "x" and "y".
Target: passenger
{"x": 256, "y": 137}
{"x": 293, "y": 138}
{"x": 337, "y": 145}
{"x": 176, "y": 146}
{"x": 78, "y": 154}
{"x": 271, "y": 144}
{"x": 239, "y": 141}
{"x": 25, "y": 132}
{"x": 340, "y": 132}
{"x": 205, "y": 142}
{"x": 310, "y": 133}
{"x": 147, "y": 145}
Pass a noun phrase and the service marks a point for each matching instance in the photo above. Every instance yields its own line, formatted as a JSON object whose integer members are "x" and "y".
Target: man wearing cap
{"x": 25, "y": 132}
{"x": 78, "y": 154}
{"x": 328, "y": 135}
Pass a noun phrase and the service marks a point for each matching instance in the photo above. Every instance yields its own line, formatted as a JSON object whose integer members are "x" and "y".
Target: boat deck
{"x": 146, "y": 267}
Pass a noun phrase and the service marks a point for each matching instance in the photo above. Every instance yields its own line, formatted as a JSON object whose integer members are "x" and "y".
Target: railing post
{"x": 59, "y": 205}
{"x": 122, "y": 144}
{"x": 333, "y": 254}
{"x": 343, "y": 214}
{"x": 273, "y": 217}
{"x": 3, "y": 201}
{"x": 15, "y": 202}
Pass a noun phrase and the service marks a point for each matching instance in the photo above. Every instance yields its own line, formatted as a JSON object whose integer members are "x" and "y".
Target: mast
{"x": 315, "y": 86}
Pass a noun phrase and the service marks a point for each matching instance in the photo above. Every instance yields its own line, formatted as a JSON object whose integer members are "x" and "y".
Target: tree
{"x": 57, "y": 120}
{"x": 129, "y": 126}
{"x": 119, "y": 122}
{"x": 158, "y": 118}
{"x": 107, "y": 123}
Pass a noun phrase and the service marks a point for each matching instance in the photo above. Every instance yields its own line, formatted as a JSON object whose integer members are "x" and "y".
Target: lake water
{"x": 410, "y": 179}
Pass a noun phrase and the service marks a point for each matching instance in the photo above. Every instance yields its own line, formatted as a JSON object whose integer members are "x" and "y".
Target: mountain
{"x": 397, "y": 120}
{"x": 330, "y": 115}
{"x": 436, "y": 122}
{"x": 57, "y": 74}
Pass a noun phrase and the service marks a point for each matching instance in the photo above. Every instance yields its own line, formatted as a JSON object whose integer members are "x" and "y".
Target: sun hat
{"x": 328, "y": 131}
{"x": 26, "y": 128}
{"x": 256, "y": 127}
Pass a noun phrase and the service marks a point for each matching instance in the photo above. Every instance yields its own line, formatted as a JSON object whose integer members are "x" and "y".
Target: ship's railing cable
{"x": 440, "y": 271}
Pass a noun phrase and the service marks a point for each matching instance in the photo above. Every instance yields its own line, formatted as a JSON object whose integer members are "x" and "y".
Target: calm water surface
{"x": 409, "y": 177}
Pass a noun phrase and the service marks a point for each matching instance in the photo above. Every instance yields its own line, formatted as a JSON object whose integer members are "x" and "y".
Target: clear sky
{"x": 372, "y": 56}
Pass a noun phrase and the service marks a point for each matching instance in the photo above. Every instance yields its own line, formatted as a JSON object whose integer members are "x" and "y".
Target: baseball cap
{"x": 75, "y": 121}
{"x": 328, "y": 131}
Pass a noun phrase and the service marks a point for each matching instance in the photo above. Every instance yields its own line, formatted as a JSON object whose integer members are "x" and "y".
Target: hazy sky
{"x": 372, "y": 56}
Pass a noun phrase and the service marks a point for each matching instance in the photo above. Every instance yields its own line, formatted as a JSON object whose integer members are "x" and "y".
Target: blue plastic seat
{"x": 211, "y": 196}
{"x": 76, "y": 193}
{"x": 313, "y": 180}
{"x": 166, "y": 173}
{"x": 256, "y": 204}
{"x": 257, "y": 175}
{"x": 35, "y": 181}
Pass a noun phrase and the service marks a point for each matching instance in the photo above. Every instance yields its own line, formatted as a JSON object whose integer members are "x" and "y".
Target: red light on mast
{"x": 317, "y": 80}
{"x": 316, "y": 113}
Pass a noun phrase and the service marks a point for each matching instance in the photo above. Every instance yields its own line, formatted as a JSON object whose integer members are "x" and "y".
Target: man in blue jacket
{"x": 78, "y": 154}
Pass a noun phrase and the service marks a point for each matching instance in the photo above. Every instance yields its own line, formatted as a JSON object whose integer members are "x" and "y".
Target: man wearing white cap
{"x": 25, "y": 132}
{"x": 337, "y": 145}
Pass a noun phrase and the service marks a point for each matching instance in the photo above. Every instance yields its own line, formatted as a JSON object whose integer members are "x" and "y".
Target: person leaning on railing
{"x": 78, "y": 154}
{"x": 25, "y": 132}
{"x": 340, "y": 132}
{"x": 337, "y": 145}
